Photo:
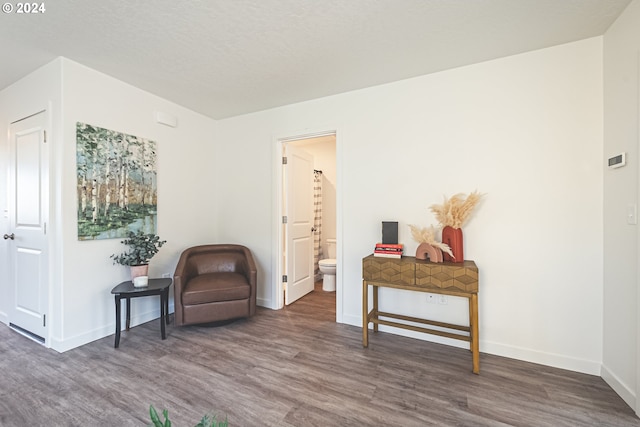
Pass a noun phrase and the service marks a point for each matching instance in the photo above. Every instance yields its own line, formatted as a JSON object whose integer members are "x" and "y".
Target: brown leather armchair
{"x": 213, "y": 283}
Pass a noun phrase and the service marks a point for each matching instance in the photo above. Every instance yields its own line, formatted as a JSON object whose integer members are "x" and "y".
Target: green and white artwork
{"x": 117, "y": 183}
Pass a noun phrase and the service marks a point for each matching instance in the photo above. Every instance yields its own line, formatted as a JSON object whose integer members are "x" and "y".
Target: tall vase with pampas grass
{"x": 453, "y": 237}
{"x": 452, "y": 215}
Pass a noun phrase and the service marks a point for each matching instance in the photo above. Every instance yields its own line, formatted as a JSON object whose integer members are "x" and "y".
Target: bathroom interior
{"x": 323, "y": 150}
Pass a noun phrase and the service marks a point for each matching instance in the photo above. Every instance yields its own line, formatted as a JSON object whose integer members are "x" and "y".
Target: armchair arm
{"x": 251, "y": 272}
{"x": 184, "y": 271}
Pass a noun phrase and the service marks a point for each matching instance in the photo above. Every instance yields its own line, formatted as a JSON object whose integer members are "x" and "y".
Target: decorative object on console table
{"x": 429, "y": 246}
{"x": 142, "y": 248}
{"x": 425, "y": 251}
{"x": 390, "y": 232}
{"x": 452, "y": 237}
{"x": 452, "y": 215}
{"x": 388, "y": 250}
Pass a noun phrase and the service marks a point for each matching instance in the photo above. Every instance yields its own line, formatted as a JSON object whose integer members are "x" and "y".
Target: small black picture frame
{"x": 390, "y": 232}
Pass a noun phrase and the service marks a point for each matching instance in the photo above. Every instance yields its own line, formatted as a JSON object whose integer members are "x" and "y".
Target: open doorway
{"x": 308, "y": 231}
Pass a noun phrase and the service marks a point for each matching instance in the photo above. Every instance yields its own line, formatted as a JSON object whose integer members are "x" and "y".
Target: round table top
{"x": 154, "y": 284}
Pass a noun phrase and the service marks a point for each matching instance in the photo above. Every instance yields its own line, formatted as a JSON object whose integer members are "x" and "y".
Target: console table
{"x": 409, "y": 273}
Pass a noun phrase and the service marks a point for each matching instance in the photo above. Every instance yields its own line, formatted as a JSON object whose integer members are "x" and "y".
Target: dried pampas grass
{"x": 428, "y": 235}
{"x": 455, "y": 211}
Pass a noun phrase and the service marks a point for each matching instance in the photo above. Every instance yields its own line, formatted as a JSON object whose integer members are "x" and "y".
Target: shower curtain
{"x": 317, "y": 222}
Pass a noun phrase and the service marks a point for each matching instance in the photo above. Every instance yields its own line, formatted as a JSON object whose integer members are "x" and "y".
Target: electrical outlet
{"x": 431, "y": 298}
{"x": 442, "y": 299}
{"x": 166, "y": 276}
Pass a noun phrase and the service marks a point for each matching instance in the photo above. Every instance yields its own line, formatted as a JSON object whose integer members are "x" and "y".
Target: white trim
{"x": 339, "y": 231}
{"x": 263, "y": 302}
{"x": 350, "y": 319}
{"x": 636, "y": 404}
{"x": 591, "y": 367}
{"x": 276, "y": 240}
{"x": 61, "y": 344}
{"x": 52, "y": 230}
{"x": 618, "y": 386}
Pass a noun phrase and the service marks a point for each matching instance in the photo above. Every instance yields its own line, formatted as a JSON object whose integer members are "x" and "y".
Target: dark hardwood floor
{"x": 293, "y": 367}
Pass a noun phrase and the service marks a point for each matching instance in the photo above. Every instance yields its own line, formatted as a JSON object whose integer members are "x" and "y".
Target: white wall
{"x": 526, "y": 130}
{"x": 82, "y": 272}
{"x": 621, "y": 121}
{"x": 38, "y": 91}
{"x": 186, "y": 197}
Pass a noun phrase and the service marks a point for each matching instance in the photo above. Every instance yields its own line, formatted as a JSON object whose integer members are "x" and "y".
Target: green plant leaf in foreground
{"x": 154, "y": 416}
{"x": 156, "y": 419}
{"x": 167, "y": 422}
{"x": 206, "y": 421}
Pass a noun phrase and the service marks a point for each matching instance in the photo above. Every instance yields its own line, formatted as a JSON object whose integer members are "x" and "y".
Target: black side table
{"x": 127, "y": 291}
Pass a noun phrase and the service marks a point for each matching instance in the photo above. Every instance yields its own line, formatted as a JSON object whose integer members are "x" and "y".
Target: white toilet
{"x": 328, "y": 267}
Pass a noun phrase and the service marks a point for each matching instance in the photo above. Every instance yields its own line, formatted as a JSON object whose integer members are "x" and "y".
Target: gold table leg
{"x": 365, "y": 314}
{"x": 475, "y": 340}
{"x": 375, "y": 306}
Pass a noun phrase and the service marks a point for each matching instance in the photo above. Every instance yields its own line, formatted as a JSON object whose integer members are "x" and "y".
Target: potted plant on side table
{"x": 142, "y": 247}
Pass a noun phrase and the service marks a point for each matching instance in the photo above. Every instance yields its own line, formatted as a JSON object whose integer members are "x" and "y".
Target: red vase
{"x": 453, "y": 238}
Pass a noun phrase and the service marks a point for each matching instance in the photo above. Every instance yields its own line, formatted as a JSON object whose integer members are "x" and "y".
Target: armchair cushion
{"x": 214, "y": 287}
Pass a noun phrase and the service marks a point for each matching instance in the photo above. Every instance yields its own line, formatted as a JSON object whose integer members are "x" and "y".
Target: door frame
{"x": 277, "y": 295}
{"x": 637, "y": 391}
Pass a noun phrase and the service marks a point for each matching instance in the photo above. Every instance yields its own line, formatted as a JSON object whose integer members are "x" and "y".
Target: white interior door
{"x": 299, "y": 235}
{"x": 28, "y": 209}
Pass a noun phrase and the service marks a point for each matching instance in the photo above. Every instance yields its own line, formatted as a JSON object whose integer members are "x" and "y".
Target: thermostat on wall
{"x": 618, "y": 161}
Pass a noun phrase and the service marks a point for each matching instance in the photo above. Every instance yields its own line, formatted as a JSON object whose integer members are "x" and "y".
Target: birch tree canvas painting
{"x": 117, "y": 187}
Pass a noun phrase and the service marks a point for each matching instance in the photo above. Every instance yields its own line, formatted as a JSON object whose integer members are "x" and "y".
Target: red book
{"x": 385, "y": 254}
{"x": 390, "y": 245}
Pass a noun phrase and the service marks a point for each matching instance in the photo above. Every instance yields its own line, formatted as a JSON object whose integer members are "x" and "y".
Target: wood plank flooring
{"x": 293, "y": 367}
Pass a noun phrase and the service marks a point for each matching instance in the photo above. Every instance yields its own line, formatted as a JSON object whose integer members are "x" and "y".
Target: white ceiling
{"x": 228, "y": 57}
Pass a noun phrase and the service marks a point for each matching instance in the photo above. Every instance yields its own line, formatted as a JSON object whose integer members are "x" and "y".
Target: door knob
{"x": 9, "y": 236}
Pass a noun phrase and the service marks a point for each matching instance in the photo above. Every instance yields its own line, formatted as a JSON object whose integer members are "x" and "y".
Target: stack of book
{"x": 388, "y": 250}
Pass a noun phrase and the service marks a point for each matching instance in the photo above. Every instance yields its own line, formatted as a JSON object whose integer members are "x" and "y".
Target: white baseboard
{"x": 263, "y": 302}
{"x": 62, "y": 345}
{"x": 626, "y": 393}
{"x": 66, "y": 344}
{"x": 357, "y": 321}
{"x": 528, "y": 355}
{"x": 4, "y": 318}
{"x": 352, "y": 320}
{"x": 584, "y": 366}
